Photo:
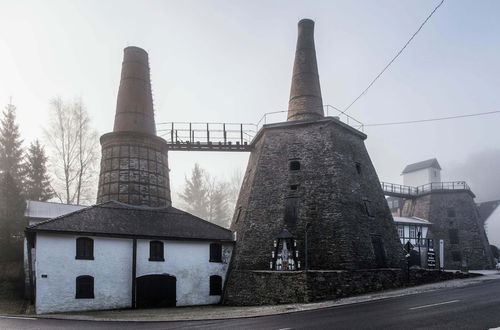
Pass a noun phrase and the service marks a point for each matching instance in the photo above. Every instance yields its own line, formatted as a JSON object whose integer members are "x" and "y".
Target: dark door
{"x": 156, "y": 291}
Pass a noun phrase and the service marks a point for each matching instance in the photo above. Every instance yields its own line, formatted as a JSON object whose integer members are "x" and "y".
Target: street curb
{"x": 270, "y": 310}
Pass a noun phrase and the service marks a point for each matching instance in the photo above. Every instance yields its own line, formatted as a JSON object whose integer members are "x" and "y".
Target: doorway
{"x": 156, "y": 291}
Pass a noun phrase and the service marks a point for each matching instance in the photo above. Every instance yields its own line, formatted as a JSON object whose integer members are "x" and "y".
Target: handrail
{"x": 399, "y": 189}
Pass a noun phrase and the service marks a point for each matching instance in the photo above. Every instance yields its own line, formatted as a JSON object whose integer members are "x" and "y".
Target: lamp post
{"x": 419, "y": 235}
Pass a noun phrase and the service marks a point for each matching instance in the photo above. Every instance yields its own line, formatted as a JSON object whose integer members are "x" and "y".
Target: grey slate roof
{"x": 118, "y": 219}
{"x": 421, "y": 165}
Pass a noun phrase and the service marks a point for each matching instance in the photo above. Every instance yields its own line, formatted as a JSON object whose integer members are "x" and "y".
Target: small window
{"x": 156, "y": 251}
{"x": 238, "y": 215}
{"x": 368, "y": 207}
{"x": 451, "y": 213}
{"x": 413, "y": 233}
{"x": 84, "y": 248}
{"x": 294, "y": 165}
{"x": 456, "y": 256}
{"x": 358, "y": 167}
{"x": 294, "y": 187}
{"x": 401, "y": 231}
{"x": 215, "y": 252}
{"x": 453, "y": 233}
{"x": 84, "y": 287}
{"x": 430, "y": 243}
{"x": 215, "y": 285}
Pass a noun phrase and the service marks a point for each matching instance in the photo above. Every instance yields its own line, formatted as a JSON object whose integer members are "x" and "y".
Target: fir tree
{"x": 37, "y": 182}
{"x": 12, "y": 222}
{"x": 195, "y": 194}
{"x": 11, "y": 153}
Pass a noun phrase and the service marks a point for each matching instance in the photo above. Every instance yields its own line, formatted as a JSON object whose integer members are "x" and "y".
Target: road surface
{"x": 471, "y": 307}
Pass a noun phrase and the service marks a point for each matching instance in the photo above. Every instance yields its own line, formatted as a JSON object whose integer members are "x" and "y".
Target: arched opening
{"x": 156, "y": 291}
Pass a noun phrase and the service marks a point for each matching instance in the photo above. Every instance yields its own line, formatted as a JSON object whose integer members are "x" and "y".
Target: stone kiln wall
{"x": 329, "y": 196}
{"x": 472, "y": 246}
{"x": 134, "y": 170}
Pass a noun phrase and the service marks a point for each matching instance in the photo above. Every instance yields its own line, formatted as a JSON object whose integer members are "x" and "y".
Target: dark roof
{"x": 486, "y": 209}
{"x": 421, "y": 165}
{"x": 119, "y": 219}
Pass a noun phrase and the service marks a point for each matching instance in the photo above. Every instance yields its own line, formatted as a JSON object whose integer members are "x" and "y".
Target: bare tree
{"x": 74, "y": 149}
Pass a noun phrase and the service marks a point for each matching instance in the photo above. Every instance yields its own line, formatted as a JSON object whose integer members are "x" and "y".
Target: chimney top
{"x": 305, "y": 94}
{"x": 134, "y": 106}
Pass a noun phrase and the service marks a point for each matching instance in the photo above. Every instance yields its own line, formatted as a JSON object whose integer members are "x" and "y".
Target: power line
{"x": 394, "y": 58}
{"x": 433, "y": 119}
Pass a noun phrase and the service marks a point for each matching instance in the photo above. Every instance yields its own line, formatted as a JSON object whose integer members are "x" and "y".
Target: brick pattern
{"x": 134, "y": 170}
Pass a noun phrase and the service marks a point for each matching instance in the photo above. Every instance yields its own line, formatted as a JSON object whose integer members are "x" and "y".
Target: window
{"x": 215, "y": 285}
{"x": 84, "y": 287}
{"x": 456, "y": 256}
{"x": 294, "y": 187}
{"x": 413, "y": 233}
{"x": 401, "y": 231}
{"x": 453, "y": 233}
{"x": 294, "y": 165}
{"x": 84, "y": 248}
{"x": 368, "y": 207}
{"x": 238, "y": 216}
{"x": 215, "y": 252}
{"x": 156, "y": 251}
{"x": 358, "y": 167}
{"x": 451, "y": 213}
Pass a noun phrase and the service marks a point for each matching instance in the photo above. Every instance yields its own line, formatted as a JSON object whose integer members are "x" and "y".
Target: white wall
{"x": 421, "y": 177}
{"x": 189, "y": 263}
{"x": 111, "y": 269}
{"x": 493, "y": 227}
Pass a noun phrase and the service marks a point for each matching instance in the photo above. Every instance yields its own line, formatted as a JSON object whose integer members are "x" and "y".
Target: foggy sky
{"x": 231, "y": 61}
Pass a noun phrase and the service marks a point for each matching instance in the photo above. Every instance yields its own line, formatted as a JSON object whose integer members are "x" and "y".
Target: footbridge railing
{"x": 398, "y": 190}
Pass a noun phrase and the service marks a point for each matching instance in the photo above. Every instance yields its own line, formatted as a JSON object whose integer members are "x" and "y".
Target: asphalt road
{"x": 471, "y": 307}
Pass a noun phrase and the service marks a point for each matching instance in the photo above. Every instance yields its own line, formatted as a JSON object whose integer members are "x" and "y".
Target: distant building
{"x": 421, "y": 173}
{"x": 418, "y": 233}
{"x": 489, "y": 213}
{"x": 458, "y": 234}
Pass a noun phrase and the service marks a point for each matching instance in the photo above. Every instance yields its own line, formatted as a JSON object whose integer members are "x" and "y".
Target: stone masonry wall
{"x": 246, "y": 288}
{"x": 329, "y": 194}
{"x": 454, "y": 211}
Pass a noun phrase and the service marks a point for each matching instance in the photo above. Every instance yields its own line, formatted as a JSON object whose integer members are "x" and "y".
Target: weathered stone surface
{"x": 330, "y": 195}
{"x": 273, "y": 287}
{"x": 454, "y": 211}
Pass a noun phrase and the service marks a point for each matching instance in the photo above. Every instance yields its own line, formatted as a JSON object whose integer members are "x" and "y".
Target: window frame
{"x": 155, "y": 252}
{"x": 84, "y": 248}
{"x": 215, "y": 285}
{"x": 215, "y": 256}
{"x": 80, "y": 293}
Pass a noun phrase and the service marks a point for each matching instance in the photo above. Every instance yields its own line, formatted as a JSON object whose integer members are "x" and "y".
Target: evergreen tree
{"x": 12, "y": 222}
{"x": 37, "y": 181}
{"x": 195, "y": 195}
{"x": 11, "y": 152}
{"x": 218, "y": 204}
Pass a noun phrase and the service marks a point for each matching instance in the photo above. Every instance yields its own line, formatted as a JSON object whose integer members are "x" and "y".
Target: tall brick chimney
{"x": 305, "y": 94}
{"x": 134, "y": 106}
{"x": 134, "y": 162}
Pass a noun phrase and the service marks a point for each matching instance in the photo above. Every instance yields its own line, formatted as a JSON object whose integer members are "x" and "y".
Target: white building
{"x": 422, "y": 173}
{"x": 114, "y": 255}
{"x": 490, "y": 215}
{"x": 416, "y": 231}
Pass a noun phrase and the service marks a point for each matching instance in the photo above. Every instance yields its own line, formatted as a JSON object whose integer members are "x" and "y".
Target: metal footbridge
{"x": 402, "y": 191}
